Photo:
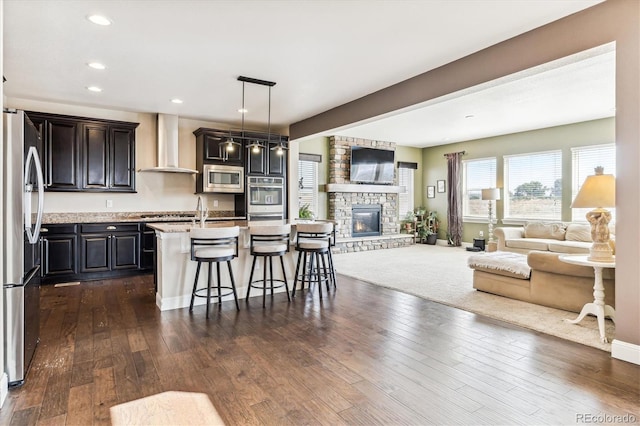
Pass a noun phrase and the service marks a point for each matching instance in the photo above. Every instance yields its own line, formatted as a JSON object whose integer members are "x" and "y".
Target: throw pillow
{"x": 578, "y": 232}
{"x": 548, "y": 230}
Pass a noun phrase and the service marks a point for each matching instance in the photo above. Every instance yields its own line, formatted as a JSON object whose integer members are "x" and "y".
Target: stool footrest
{"x": 214, "y": 292}
{"x": 254, "y": 284}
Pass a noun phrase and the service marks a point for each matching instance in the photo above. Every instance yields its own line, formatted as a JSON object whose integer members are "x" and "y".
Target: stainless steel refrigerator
{"x": 22, "y": 204}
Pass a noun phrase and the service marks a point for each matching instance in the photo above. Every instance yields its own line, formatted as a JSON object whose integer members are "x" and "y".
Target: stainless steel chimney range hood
{"x": 168, "y": 148}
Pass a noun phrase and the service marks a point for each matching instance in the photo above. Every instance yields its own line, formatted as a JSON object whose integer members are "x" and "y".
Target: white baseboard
{"x": 4, "y": 388}
{"x": 625, "y": 351}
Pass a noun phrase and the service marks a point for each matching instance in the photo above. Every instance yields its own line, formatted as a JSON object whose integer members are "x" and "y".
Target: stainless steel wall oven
{"x": 265, "y": 198}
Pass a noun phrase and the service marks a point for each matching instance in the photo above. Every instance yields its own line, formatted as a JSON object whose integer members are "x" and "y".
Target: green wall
{"x": 319, "y": 146}
{"x": 561, "y": 137}
{"x": 413, "y": 155}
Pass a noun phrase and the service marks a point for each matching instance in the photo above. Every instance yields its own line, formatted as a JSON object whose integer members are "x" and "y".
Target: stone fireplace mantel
{"x": 351, "y": 187}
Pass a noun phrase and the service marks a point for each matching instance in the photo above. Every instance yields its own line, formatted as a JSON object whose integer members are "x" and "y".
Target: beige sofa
{"x": 557, "y": 237}
{"x": 551, "y": 282}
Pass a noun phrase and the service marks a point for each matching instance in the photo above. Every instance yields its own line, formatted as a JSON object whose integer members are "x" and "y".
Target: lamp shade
{"x": 598, "y": 190}
{"x": 491, "y": 194}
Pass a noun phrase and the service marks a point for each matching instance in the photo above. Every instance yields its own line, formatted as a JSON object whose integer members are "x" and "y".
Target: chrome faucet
{"x": 201, "y": 211}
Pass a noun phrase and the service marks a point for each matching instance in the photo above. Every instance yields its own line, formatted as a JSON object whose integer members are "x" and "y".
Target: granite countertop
{"x": 158, "y": 216}
{"x": 186, "y": 226}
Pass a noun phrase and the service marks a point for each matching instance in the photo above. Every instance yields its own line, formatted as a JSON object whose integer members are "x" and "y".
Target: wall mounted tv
{"x": 371, "y": 165}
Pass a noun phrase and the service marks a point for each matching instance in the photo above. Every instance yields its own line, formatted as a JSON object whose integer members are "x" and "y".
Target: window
{"x": 584, "y": 161}
{"x": 405, "y": 199}
{"x": 477, "y": 175}
{"x": 308, "y": 184}
{"x": 534, "y": 183}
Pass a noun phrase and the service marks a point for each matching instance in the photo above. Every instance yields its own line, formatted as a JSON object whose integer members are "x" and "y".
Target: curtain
{"x": 454, "y": 197}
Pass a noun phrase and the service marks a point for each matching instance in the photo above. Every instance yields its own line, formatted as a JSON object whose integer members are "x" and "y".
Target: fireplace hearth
{"x": 365, "y": 220}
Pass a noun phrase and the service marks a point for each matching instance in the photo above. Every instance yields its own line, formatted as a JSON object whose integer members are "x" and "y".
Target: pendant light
{"x": 257, "y": 145}
{"x": 230, "y": 143}
{"x": 280, "y": 147}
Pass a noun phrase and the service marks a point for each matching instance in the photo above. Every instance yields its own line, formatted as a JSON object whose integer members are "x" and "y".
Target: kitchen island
{"x": 176, "y": 271}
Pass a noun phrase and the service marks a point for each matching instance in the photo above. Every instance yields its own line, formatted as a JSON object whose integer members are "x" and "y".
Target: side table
{"x": 597, "y": 307}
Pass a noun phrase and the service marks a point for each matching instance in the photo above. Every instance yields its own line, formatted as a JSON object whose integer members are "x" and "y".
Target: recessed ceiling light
{"x": 94, "y": 89}
{"x": 176, "y": 101}
{"x": 99, "y": 20}
{"x": 96, "y": 65}
{"x": 243, "y": 110}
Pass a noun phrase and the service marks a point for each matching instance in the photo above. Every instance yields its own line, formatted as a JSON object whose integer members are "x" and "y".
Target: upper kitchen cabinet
{"x": 108, "y": 152}
{"x": 212, "y": 148}
{"x": 60, "y": 159}
{"x": 267, "y": 161}
{"x": 85, "y": 154}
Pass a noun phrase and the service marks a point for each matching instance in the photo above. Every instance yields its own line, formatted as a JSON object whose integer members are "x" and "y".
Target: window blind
{"x": 405, "y": 199}
{"x": 477, "y": 175}
{"x": 308, "y": 185}
{"x": 534, "y": 186}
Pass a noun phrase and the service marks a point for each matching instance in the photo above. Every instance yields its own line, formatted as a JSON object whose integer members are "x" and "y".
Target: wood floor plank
{"x": 80, "y": 407}
{"x": 361, "y": 355}
{"x": 56, "y": 396}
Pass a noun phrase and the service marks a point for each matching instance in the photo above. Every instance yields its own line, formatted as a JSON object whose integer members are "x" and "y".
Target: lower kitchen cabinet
{"x": 109, "y": 247}
{"x": 89, "y": 251}
{"x": 59, "y": 249}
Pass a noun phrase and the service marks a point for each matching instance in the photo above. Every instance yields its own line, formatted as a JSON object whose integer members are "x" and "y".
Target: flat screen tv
{"x": 371, "y": 165}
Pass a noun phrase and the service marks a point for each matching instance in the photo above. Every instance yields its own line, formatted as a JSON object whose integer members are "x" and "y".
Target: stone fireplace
{"x": 341, "y": 202}
{"x": 366, "y": 215}
{"x": 365, "y": 220}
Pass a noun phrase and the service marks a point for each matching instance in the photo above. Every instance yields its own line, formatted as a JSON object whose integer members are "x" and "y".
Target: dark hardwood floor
{"x": 364, "y": 355}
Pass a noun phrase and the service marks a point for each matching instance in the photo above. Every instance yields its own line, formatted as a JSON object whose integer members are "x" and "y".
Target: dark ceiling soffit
{"x": 549, "y": 42}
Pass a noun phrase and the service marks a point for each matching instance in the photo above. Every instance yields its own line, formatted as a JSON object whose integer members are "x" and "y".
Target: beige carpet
{"x": 440, "y": 273}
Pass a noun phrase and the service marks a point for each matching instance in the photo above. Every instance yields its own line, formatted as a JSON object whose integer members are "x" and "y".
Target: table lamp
{"x": 491, "y": 194}
{"x": 598, "y": 191}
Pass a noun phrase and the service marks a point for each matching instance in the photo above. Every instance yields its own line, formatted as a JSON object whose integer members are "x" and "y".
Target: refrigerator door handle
{"x": 33, "y": 158}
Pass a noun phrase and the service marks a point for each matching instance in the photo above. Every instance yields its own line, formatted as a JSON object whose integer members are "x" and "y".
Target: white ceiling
{"x": 321, "y": 54}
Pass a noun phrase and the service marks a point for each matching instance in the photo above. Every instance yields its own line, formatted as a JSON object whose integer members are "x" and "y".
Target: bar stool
{"x": 313, "y": 243}
{"x": 214, "y": 245}
{"x": 267, "y": 242}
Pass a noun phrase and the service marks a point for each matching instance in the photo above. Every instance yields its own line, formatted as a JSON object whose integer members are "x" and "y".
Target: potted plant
{"x": 304, "y": 212}
{"x": 407, "y": 222}
{"x": 431, "y": 228}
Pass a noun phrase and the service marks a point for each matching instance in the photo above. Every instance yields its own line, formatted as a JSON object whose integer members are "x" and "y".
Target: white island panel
{"x": 176, "y": 271}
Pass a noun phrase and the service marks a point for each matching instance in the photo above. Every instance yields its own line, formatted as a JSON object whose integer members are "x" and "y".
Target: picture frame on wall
{"x": 442, "y": 185}
{"x": 431, "y": 192}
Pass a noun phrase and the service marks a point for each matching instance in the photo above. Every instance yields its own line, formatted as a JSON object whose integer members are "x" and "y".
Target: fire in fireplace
{"x": 365, "y": 220}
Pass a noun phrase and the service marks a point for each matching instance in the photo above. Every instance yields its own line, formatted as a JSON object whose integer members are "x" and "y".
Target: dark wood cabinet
{"x": 89, "y": 251}
{"x": 256, "y": 161}
{"x": 109, "y": 247}
{"x": 59, "y": 244}
{"x": 59, "y": 154}
{"x": 277, "y": 160}
{"x": 212, "y": 147}
{"x": 122, "y": 165}
{"x": 95, "y": 152}
{"x": 268, "y": 160}
{"x": 86, "y": 154}
{"x": 109, "y": 157}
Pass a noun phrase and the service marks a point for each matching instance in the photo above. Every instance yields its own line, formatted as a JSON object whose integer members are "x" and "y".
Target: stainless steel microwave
{"x": 219, "y": 178}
